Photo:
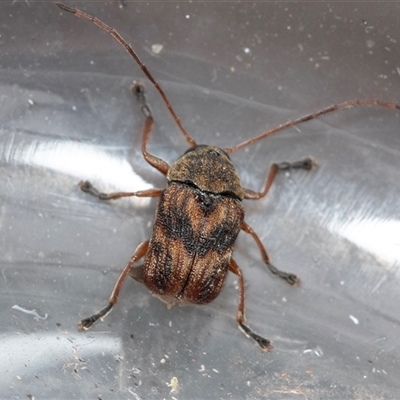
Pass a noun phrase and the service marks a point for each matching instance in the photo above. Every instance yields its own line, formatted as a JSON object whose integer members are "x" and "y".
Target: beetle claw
{"x": 290, "y": 278}
{"x": 265, "y": 344}
{"x": 85, "y": 186}
{"x": 87, "y": 323}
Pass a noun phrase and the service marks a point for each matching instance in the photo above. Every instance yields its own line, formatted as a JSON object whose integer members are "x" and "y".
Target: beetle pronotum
{"x": 199, "y": 215}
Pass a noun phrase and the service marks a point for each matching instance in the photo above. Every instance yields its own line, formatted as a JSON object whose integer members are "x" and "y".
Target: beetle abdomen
{"x": 191, "y": 245}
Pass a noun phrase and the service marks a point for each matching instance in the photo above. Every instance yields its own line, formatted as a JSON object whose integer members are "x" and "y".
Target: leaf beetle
{"x": 199, "y": 213}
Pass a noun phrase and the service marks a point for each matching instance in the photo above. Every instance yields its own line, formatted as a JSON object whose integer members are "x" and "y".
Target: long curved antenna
{"x": 132, "y": 52}
{"x": 308, "y": 117}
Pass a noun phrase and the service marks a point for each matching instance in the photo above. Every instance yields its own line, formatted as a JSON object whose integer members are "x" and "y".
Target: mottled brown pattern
{"x": 191, "y": 245}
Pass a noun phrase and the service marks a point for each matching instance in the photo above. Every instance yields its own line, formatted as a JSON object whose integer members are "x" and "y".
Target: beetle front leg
{"x": 265, "y": 344}
{"x": 156, "y": 162}
{"x": 140, "y": 252}
{"x": 290, "y": 278}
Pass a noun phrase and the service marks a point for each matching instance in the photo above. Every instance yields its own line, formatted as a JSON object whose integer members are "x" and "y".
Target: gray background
{"x": 230, "y": 70}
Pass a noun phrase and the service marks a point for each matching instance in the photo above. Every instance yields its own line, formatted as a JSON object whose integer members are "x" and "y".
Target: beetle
{"x": 199, "y": 215}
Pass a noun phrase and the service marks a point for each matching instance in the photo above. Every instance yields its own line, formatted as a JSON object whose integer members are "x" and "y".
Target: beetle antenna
{"x": 133, "y": 54}
{"x": 308, "y": 117}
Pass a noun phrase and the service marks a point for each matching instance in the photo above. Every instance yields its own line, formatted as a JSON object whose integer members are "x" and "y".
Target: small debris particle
{"x": 156, "y": 48}
{"x": 354, "y": 319}
{"x": 174, "y": 385}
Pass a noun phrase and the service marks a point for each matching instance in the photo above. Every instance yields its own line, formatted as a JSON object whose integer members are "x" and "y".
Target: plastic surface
{"x": 230, "y": 70}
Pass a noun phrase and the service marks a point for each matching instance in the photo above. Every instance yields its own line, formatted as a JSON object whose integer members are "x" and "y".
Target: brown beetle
{"x": 199, "y": 215}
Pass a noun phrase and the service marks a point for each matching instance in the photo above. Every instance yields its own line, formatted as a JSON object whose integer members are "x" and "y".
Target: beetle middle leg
{"x": 87, "y": 187}
{"x": 307, "y": 163}
{"x": 140, "y": 252}
{"x": 161, "y": 165}
{"x": 265, "y": 344}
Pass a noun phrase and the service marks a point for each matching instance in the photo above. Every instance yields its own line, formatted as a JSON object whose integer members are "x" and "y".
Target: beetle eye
{"x": 214, "y": 152}
{"x": 195, "y": 147}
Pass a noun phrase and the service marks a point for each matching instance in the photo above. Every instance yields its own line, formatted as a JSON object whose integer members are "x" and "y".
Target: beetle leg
{"x": 87, "y": 187}
{"x": 138, "y": 90}
{"x": 140, "y": 251}
{"x": 265, "y": 344}
{"x": 292, "y": 279}
{"x": 307, "y": 163}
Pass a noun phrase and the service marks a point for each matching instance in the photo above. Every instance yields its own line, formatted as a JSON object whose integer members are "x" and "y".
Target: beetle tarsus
{"x": 87, "y": 187}
{"x": 87, "y": 323}
{"x": 66, "y": 8}
{"x": 138, "y": 90}
{"x": 264, "y": 344}
{"x": 307, "y": 163}
{"x": 290, "y": 278}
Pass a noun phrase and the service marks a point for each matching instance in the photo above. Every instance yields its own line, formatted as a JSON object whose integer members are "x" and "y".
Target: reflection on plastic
{"x": 83, "y": 161}
{"x": 378, "y": 236}
{"x": 33, "y": 353}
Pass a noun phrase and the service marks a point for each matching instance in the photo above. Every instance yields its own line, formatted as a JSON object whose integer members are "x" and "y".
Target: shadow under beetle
{"x": 199, "y": 215}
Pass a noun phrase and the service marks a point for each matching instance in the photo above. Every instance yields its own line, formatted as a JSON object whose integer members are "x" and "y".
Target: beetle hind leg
{"x": 140, "y": 252}
{"x": 86, "y": 323}
{"x": 264, "y": 344}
